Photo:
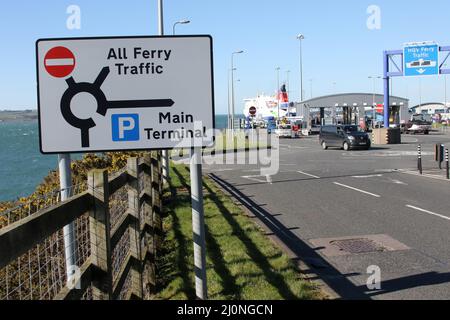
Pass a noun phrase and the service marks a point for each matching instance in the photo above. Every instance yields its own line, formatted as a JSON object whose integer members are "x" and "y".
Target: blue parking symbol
{"x": 125, "y": 127}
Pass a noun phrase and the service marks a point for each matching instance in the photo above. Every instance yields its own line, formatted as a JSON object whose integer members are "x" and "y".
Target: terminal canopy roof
{"x": 352, "y": 100}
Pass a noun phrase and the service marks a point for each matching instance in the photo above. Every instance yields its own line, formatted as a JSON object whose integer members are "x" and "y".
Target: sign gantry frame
{"x": 388, "y": 61}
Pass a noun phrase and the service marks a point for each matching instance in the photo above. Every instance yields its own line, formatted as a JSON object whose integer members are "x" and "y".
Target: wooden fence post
{"x": 156, "y": 201}
{"x": 147, "y": 232}
{"x": 100, "y": 235}
{"x": 134, "y": 208}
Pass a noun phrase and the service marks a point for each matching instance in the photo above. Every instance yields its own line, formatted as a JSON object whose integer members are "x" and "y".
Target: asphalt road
{"x": 319, "y": 197}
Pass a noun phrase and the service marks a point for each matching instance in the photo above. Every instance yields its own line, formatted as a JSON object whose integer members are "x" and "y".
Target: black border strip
{"x": 121, "y": 37}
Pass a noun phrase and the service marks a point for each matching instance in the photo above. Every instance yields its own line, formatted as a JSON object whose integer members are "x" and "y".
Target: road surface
{"x": 320, "y": 199}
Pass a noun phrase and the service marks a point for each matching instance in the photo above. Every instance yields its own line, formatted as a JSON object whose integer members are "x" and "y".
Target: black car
{"x": 344, "y": 136}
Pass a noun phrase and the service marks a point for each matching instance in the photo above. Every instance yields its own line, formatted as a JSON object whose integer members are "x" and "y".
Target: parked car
{"x": 420, "y": 128}
{"x": 346, "y": 137}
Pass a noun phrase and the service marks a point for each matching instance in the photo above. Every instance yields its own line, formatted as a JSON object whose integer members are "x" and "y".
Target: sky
{"x": 339, "y": 50}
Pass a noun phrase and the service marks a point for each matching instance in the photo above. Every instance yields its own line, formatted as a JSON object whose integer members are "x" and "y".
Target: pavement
{"x": 351, "y": 216}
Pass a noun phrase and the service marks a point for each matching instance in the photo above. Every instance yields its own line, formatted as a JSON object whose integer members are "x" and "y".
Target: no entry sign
{"x": 125, "y": 93}
{"x": 59, "y": 62}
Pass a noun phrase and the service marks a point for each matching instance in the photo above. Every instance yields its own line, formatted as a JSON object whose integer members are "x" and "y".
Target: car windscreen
{"x": 352, "y": 129}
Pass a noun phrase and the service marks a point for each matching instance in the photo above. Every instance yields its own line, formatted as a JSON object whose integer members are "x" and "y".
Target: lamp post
{"x": 374, "y": 78}
{"x": 229, "y": 100}
{"x": 278, "y": 93}
{"x": 179, "y": 22}
{"x": 301, "y": 37}
{"x": 232, "y": 87}
{"x": 287, "y": 90}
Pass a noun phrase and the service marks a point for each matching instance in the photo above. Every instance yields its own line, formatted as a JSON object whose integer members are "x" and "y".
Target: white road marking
{"x": 429, "y": 212}
{"x": 292, "y": 147}
{"x": 255, "y": 178}
{"x": 431, "y": 176}
{"x": 223, "y": 170}
{"x": 395, "y": 181}
{"x": 356, "y": 189}
{"x": 369, "y": 176}
{"x": 309, "y": 175}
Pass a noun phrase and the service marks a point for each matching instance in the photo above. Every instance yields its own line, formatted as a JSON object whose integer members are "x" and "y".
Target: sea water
{"x": 22, "y": 166}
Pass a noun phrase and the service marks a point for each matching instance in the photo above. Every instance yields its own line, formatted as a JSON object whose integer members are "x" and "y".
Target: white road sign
{"x": 125, "y": 93}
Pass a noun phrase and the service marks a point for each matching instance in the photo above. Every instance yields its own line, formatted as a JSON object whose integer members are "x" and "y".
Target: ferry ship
{"x": 264, "y": 107}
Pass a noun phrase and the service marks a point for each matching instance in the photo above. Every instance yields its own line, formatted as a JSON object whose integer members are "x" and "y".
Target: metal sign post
{"x": 65, "y": 180}
{"x": 198, "y": 224}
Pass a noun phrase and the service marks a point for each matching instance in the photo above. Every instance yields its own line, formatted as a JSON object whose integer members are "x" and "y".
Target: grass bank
{"x": 242, "y": 263}
{"x": 227, "y": 142}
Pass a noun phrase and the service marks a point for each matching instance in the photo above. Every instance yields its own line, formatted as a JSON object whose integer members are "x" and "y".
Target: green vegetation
{"x": 112, "y": 161}
{"x": 20, "y": 115}
{"x": 226, "y": 143}
{"x": 438, "y": 126}
{"x": 242, "y": 262}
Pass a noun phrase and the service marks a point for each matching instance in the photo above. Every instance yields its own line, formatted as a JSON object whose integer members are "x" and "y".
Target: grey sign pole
{"x": 65, "y": 180}
{"x": 198, "y": 224}
{"x": 165, "y": 153}
{"x": 198, "y": 219}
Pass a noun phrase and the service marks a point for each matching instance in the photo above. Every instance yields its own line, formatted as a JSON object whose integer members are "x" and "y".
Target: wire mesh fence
{"x": 43, "y": 202}
{"x": 120, "y": 253}
{"x": 40, "y": 274}
{"x": 118, "y": 205}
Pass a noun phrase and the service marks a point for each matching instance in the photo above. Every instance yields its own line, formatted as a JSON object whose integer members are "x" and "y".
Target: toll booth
{"x": 352, "y": 108}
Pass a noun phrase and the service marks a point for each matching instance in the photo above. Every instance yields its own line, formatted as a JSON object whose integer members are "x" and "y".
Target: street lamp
{"x": 373, "y": 99}
{"x": 232, "y": 87}
{"x": 179, "y": 22}
{"x": 229, "y": 102}
{"x": 287, "y": 90}
{"x": 278, "y": 93}
{"x": 301, "y": 37}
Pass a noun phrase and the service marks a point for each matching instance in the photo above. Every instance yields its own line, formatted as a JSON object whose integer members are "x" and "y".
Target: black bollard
{"x": 446, "y": 163}
{"x": 419, "y": 159}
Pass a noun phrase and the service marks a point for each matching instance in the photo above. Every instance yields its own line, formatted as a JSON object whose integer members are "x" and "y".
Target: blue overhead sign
{"x": 421, "y": 60}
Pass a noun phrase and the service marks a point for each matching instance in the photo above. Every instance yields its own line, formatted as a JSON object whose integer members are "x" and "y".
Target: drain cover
{"x": 360, "y": 245}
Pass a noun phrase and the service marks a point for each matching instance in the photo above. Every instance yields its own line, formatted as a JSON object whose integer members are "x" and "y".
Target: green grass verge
{"x": 242, "y": 263}
{"x": 237, "y": 142}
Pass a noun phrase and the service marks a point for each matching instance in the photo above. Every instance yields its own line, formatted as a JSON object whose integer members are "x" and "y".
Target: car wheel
{"x": 346, "y": 146}
{"x": 426, "y": 132}
{"x": 324, "y": 145}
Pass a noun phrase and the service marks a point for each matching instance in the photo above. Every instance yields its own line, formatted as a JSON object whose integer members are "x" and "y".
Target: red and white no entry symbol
{"x": 59, "y": 62}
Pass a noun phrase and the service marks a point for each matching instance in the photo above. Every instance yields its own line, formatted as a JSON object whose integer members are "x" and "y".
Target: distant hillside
{"x": 21, "y": 115}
